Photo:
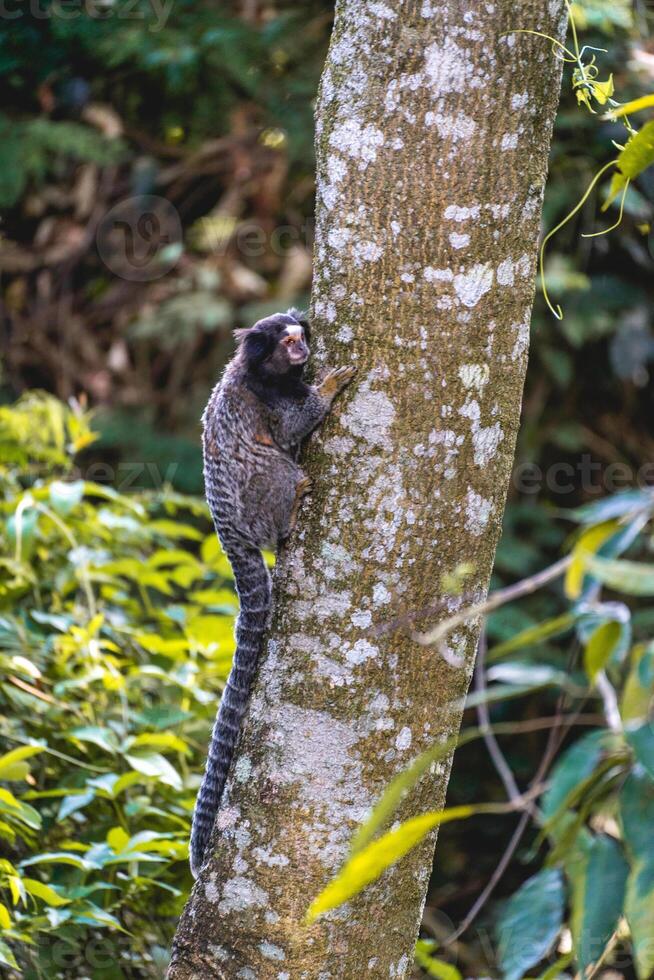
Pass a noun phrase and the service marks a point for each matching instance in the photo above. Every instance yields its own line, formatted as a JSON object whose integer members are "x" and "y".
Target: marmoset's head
{"x": 276, "y": 346}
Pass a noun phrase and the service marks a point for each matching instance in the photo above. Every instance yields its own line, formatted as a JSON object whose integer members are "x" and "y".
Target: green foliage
{"x": 635, "y": 157}
{"x": 594, "y": 875}
{"x": 115, "y": 640}
{"x": 433, "y": 966}
{"x": 33, "y": 149}
{"x": 530, "y": 923}
{"x": 598, "y": 898}
{"x": 167, "y": 54}
{"x": 637, "y": 817}
{"x": 204, "y": 73}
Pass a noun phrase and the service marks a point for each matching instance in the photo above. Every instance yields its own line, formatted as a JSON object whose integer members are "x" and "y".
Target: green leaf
{"x": 575, "y": 765}
{"x": 104, "y": 738}
{"x": 530, "y": 923}
{"x": 641, "y": 739}
{"x": 639, "y": 912}
{"x": 74, "y": 802}
{"x": 64, "y": 497}
{"x": 630, "y": 577}
{"x": 540, "y": 675}
{"x": 501, "y": 692}
{"x": 617, "y": 505}
{"x": 167, "y": 647}
{"x": 90, "y": 914}
{"x": 600, "y": 647}
{"x": 156, "y": 765}
{"x": 637, "y": 818}
{"x": 59, "y": 857}
{"x": 402, "y": 783}
{"x": 7, "y": 958}
{"x": 598, "y": 899}
{"x": 18, "y": 810}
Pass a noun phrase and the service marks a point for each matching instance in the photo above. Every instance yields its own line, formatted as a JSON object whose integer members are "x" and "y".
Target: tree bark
{"x": 433, "y": 128}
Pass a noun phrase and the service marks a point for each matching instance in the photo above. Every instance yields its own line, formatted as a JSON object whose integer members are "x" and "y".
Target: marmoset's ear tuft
{"x": 255, "y": 344}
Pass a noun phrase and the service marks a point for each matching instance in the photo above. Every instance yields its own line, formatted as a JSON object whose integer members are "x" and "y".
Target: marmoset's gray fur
{"x": 255, "y": 420}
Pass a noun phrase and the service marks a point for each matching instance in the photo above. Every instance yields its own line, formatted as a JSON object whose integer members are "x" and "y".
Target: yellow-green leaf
{"x": 160, "y": 740}
{"x": 117, "y": 839}
{"x": 5, "y": 918}
{"x": 125, "y": 781}
{"x": 602, "y": 91}
{"x": 13, "y": 765}
{"x": 587, "y": 544}
{"x": 534, "y": 634}
{"x": 583, "y": 98}
{"x": 644, "y": 102}
{"x": 367, "y": 865}
{"x": 636, "y": 691}
{"x": 638, "y": 154}
{"x": 44, "y": 892}
{"x": 432, "y": 965}
{"x": 172, "y": 529}
{"x": 636, "y": 157}
{"x": 600, "y": 646}
{"x": 16, "y": 887}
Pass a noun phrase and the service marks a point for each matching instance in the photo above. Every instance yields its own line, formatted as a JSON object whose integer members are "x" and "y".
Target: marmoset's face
{"x": 292, "y": 345}
{"x": 277, "y": 345}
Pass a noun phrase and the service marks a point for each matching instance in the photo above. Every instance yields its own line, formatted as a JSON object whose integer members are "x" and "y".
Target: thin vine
{"x": 634, "y": 156}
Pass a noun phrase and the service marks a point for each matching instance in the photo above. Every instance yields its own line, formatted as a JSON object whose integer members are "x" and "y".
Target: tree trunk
{"x": 433, "y": 132}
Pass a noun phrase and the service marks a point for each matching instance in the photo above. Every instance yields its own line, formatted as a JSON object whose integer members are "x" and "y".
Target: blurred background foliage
{"x": 156, "y": 187}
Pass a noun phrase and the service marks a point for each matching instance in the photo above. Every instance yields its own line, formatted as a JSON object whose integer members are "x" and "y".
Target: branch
{"x": 483, "y": 715}
{"x": 495, "y": 599}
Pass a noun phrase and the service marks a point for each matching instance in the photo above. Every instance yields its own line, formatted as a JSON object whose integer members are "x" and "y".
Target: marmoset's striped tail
{"x": 253, "y": 587}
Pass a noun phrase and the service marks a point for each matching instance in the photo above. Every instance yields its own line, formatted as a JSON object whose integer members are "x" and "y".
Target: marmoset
{"x": 253, "y": 425}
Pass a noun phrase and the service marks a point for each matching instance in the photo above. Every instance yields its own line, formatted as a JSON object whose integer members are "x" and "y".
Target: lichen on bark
{"x": 433, "y": 127}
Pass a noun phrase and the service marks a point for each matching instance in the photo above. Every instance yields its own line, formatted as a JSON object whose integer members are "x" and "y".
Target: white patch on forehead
{"x": 294, "y": 331}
